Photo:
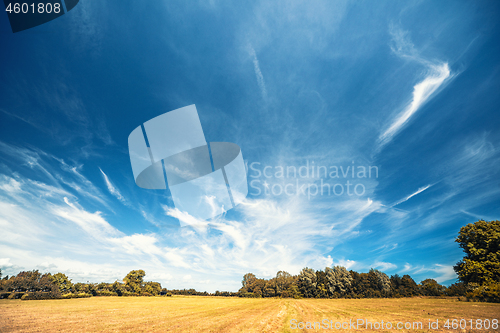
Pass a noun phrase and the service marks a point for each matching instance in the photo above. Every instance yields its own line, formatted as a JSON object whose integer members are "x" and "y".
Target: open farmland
{"x": 219, "y": 314}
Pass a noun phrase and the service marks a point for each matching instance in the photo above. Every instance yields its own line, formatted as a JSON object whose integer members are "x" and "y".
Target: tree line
{"x": 332, "y": 283}
{"x": 35, "y": 285}
{"x": 478, "y": 273}
{"x": 338, "y": 282}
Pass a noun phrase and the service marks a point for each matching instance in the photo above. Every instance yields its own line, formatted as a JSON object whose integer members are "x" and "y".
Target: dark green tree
{"x": 430, "y": 287}
{"x": 270, "y": 288}
{"x": 153, "y": 288}
{"x": 63, "y": 282}
{"x": 322, "y": 285}
{"x": 409, "y": 285}
{"x": 481, "y": 244}
{"x": 135, "y": 280}
{"x": 383, "y": 281}
{"x": 307, "y": 282}
{"x": 403, "y": 286}
{"x": 248, "y": 280}
{"x": 457, "y": 289}
{"x": 339, "y": 280}
{"x": 292, "y": 291}
{"x": 118, "y": 288}
{"x": 283, "y": 282}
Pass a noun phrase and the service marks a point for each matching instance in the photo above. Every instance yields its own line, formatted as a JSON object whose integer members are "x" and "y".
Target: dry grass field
{"x": 219, "y": 314}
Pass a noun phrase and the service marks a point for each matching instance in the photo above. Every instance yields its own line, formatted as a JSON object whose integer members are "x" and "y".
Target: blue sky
{"x": 409, "y": 88}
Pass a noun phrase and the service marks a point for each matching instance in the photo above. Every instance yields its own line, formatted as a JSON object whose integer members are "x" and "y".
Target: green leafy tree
{"x": 409, "y": 285}
{"x": 253, "y": 287}
{"x": 307, "y": 282}
{"x": 248, "y": 280}
{"x": 258, "y": 287}
{"x": 339, "y": 280}
{"x": 321, "y": 285}
{"x": 283, "y": 282}
{"x": 403, "y": 286}
{"x": 270, "y": 288}
{"x": 39, "y": 285}
{"x": 481, "y": 244}
{"x": 102, "y": 286}
{"x": 135, "y": 280}
{"x": 383, "y": 281}
{"x": 118, "y": 288}
{"x": 430, "y": 287}
{"x": 457, "y": 289}
{"x": 80, "y": 287}
{"x": 292, "y": 291}
{"x": 63, "y": 282}
{"x": 153, "y": 288}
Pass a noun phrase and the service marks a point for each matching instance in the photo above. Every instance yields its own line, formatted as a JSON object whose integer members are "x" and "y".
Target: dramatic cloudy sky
{"x": 408, "y": 88}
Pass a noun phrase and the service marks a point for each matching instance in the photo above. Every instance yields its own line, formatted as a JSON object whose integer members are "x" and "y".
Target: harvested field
{"x": 220, "y": 314}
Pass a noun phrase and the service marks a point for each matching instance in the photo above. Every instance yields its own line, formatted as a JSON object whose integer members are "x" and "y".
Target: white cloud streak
{"x": 113, "y": 190}
{"x": 272, "y": 234}
{"x": 258, "y": 73}
{"x": 420, "y": 190}
{"x": 384, "y": 266}
{"x": 421, "y": 94}
{"x": 442, "y": 273}
{"x": 438, "y": 74}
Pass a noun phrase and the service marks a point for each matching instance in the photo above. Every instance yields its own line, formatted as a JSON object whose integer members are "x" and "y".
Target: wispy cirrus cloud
{"x": 441, "y": 273}
{"x": 446, "y": 273}
{"x": 112, "y": 189}
{"x": 57, "y": 110}
{"x": 438, "y": 74}
{"x": 271, "y": 234}
{"x": 421, "y": 94}
{"x": 258, "y": 72}
{"x": 55, "y": 172}
{"x": 92, "y": 223}
{"x": 420, "y": 190}
{"x": 88, "y": 246}
{"x": 261, "y": 241}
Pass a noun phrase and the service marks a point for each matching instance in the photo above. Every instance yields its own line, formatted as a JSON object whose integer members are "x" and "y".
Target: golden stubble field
{"x": 221, "y": 314}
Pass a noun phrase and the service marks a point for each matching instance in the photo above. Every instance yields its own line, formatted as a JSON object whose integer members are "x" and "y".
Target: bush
{"x": 457, "y": 289}
{"x": 486, "y": 293}
{"x": 250, "y": 295}
{"x": 40, "y": 295}
{"x": 15, "y": 295}
{"x": 79, "y": 295}
{"x": 26, "y": 296}
{"x": 128, "y": 293}
{"x": 106, "y": 293}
